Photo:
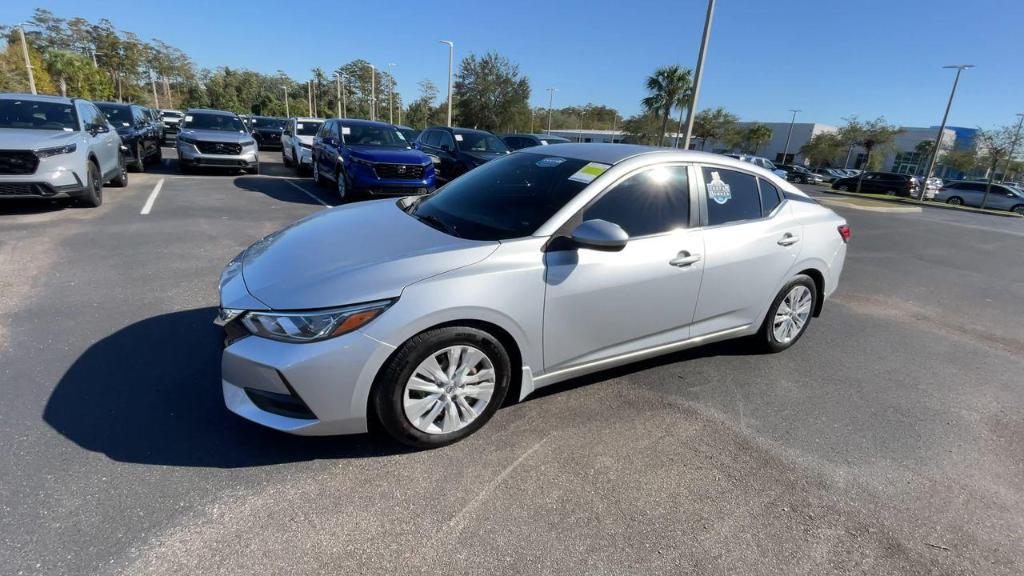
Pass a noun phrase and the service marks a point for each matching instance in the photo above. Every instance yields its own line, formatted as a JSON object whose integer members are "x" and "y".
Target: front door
{"x": 604, "y": 304}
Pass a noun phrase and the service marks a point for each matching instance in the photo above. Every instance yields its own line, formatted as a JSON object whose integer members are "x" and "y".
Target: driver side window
{"x": 446, "y": 140}
{"x": 652, "y": 201}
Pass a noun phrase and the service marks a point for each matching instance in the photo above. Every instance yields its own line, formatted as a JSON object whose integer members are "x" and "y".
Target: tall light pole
{"x": 309, "y": 97}
{"x": 1013, "y": 145}
{"x": 699, "y": 73}
{"x": 373, "y": 92}
{"x": 28, "y": 63}
{"x": 785, "y": 151}
{"x": 337, "y": 98}
{"x": 451, "y": 60}
{"x": 942, "y": 128}
{"x": 152, "y": 83}
{"x": 551, "y": 99}
{"x": 344, "y": 96}
{"x": 287, "y": 113}
{"x": 391, "y": 94}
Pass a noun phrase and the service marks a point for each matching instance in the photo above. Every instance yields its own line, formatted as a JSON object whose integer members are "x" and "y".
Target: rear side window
{"x": 731, "y": 196}
{"x": 652, "y": 201}
{"x": 769, "y": 196}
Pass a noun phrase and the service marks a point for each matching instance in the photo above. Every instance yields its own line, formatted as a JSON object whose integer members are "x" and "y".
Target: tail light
{"x": 844, "y": 233}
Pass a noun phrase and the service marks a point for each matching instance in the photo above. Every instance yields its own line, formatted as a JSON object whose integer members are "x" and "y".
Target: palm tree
{"x": 667, "y": 88}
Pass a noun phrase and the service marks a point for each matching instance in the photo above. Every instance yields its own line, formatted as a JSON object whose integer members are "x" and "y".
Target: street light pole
{"x": 942, "y": 128}
{"x": 286, "y": 111}
{"x": 1013, "y": 145}
{"x": 152, "y": 83}
{"x": 785, "y": 151}
{"x": 309, "y": 97}
{"x": 28, "y": 63}
{"x": 373, "y": 92}
{"x": 337, "y": 98}
{"x": 344, "y": 96}
{"x": 699, "y": 73}
{"x": 551, "y": 98}
{"x": 391, "y": 94}
{"x": 451, "y": 60}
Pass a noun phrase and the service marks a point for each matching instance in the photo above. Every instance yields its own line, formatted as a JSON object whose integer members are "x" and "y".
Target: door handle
{"x": 684, "y": 259}
{"x": 788, "y": 239}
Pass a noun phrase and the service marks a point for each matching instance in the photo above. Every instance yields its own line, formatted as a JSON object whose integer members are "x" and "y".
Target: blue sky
{"x": 830, "y": 58}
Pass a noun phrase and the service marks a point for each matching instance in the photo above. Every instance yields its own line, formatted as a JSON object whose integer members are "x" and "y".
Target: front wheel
{"x": 955, "y": 201}
{"x": 843, "y": 188}
{"x": 789, "y": 315}
{"x": 121, "y": 180}
{"x": 1018, "y": 209}
{"x": 139, "y": 164}
{"x": 93, "y": 196}
{"x": 441, "y": 386}
{"x": 316, "y": 175}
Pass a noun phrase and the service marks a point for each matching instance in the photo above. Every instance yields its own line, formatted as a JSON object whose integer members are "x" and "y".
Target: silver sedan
{"x": 426, "y": 314}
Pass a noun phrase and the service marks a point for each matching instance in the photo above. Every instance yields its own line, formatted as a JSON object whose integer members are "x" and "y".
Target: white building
{"x": 604, "y": 136}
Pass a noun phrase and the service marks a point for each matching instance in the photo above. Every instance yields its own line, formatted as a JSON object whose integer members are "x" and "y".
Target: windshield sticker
{"x": 188, "y": 118}
{"x": 299, "y": 126}
{"x": 543, "y": 142}
{"x": 346, "y": 130}
{"x": 400, "y": 135}
{"x": 589, "y": 172}
{"x": 719, "y": 191}
{"x": 550, "y": 162}
{"x": 458, "y": 137}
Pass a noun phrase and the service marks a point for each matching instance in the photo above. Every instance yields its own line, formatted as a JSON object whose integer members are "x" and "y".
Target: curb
{"x": 908, "y": 202}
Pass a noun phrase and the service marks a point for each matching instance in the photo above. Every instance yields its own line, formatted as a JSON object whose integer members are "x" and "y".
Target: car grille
{"x": 219, "y": 148}
{"x": 18, "y": 162}
{"x": 399, "y": 171}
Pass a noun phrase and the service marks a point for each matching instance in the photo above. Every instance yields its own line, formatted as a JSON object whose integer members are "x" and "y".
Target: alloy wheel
{"x": 1018, "y": 210}
{"x": 341, "y": 186}
{"x": 792, "y": 313}
{"x": 449, "y": 389}
{"x": 955, "y": 201}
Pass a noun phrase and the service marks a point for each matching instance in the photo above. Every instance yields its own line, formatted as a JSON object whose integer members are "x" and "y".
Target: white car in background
{"x": 297, "y": 142}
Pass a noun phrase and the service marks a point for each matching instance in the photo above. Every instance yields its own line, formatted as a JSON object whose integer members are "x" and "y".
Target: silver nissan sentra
{"x": 427, "y": 313}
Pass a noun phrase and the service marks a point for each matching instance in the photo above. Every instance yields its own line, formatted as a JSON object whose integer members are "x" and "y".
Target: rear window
{"x": 732, "y": 196}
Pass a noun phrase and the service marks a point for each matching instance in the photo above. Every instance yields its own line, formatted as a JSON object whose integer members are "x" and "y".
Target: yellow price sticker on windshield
{"x": 589, "y": 172}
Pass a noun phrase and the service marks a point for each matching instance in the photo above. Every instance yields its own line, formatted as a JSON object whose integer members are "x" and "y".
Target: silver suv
{"x": 56, "y": 147}
{"x": 216, "y": 139}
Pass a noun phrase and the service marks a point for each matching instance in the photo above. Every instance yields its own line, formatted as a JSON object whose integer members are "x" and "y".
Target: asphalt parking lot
{"x": 888, "y": 441}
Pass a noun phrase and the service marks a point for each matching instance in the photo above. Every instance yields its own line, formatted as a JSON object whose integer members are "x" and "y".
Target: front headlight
{"x": 47, "y": 152}
{"x": 185, "y": 140}
{"x": 249, "y": 143}
{"x": 361, "y": 161}
{"x": 302, "y": 327}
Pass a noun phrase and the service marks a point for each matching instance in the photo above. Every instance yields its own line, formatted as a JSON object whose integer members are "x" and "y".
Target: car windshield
{"x": 307, "y": 128}
{"x": 223, "y": 122}
{"x": 118, "y": 115}
{"x": 268, "y": 122}
{"x": 506, "y": 198}
{"x": 37, "y": 115}
{"x": 373, "y": 135}
{"x": 480, "y": 142}
{"x": 410, "y": 134}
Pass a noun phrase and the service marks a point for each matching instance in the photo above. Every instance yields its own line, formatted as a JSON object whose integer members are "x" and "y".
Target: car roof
{"x": 40, "y": 97}
{"x": 357, "y": 122}
{"x": 210, "y": 111}
{"x": 607, "y": 153}
{"x": 306, "y": 119}
{"x": 108, "y": 103}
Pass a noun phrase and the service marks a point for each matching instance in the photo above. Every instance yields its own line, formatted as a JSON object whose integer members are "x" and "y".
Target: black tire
{"x": 255, "y": 169}
{"x": 349, "y": 193}
{"x": 389, "y": 388}
{"x": 1018, "y": 209}
{"x": 159, "y": 156}
{"x": 139, "y": 163}
{"x": 284, "y": 158}
{"x": 184, "y": 167}
{"x": 121, "y": 180}
{"x": 766, "y": 339}
{"x": 317, "y": 179}
{"x": 955, "y": 201}
{"x": 93, "y": 195}
{"x": 843, "y": 188}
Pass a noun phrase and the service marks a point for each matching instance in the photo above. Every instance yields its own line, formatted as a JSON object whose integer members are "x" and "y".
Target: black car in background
{"x": 879, "y": 183}
{"x": 410, "y": 134}
{"x": 520, "y": 141}
{"x": 797, "y": 173}
{"x": 266, "y": 130}
{"x": 138, "y": 134}
{"x": 456, "y": 151}
{"x": 154, "y": 120}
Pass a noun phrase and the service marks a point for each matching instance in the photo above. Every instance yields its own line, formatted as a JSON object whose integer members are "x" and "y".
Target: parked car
{"x": 266, "y": 130}
{"x": 762, "y": 162}
{"x": 830, "y": 174}
{"x": 934, "y": 185}
{"x": 297, "y": 142}
{"x": 456, "y": 151}
{"x": 426, "y": 313}
{"x": 964, "y": 193}
{"x": 135, "y": 127}
{"x": 171, "y": 120}
{"x": 879, "y": 183}
{"x": 797, "y": 173}
{"x": 56, "y": 147}
{"x": 158, "y": 125}
{"x": 364, "y": 158}
{"x": 410, "y": 134}
{"x": 520, "y": 141}
{"x": 215, "y": 139}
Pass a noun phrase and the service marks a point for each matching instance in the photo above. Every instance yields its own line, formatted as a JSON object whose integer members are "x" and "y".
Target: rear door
{"x": 750, "y": 246}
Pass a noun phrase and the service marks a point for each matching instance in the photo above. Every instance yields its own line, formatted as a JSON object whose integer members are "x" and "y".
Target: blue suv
{"x": 363, "y": 158}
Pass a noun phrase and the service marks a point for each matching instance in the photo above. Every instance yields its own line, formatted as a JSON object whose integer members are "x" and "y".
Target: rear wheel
{"x": 843, "y": 188}
{"x": 93, "y": 196}
{"x": 955, "y": 201}
{"x": 441, "y": 386}
{"x": 139, "y": 164}
{"x": 284, "y": 158}
{"x": 341, "y": 182}
{"x": 317, "y": 179}
{"x": 789, "y": 315}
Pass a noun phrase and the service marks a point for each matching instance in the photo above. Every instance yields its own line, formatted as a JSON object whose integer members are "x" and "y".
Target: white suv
{"x": 56, "y": 147}
{"x": 297, "y": 142}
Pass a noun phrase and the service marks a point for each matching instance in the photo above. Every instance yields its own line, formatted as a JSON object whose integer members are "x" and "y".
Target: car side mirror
{"x": 600, "y": 235}
{"x": 446, "y": 148}
{"x": 95, "y": 129}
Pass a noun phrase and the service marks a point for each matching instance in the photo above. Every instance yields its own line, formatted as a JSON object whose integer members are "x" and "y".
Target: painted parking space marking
{"x": 152, "y": 197}
{"x": 308, "y": 193}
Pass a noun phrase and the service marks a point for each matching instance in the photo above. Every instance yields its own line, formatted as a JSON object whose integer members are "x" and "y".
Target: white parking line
{"x": 152, "y": 197}
{"x": 308, "y": 193}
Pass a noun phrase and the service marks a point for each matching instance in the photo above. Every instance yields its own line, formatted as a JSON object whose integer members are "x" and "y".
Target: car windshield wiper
{"x": 436, "y": 223}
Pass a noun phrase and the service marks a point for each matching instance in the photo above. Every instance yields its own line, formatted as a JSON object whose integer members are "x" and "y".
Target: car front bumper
{"x": 313, "y": 389}
{"x": 193, "y": 157}
{"x": 59, "y": 182}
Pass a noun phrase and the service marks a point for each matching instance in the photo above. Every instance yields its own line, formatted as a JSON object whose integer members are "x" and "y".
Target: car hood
{"x": 388, "y": 155}
{"x": 216, "y": 136}
{"x": 350, "y": 254}
{"x": 22, "y": 139}
{"x": 268, "y": 130}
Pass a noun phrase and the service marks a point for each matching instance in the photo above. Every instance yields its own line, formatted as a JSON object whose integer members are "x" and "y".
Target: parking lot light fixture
{"x": 286, "y": 111}
{"x": 28, "y": 63}
{"x": 337, "y": 98}
{"x": 391, "y": 94}
{"x": 942, "y": 128}
{"x": 373, "y": 92}
{"x": 785, "y": 151}
{"x": 551, "y": 98}
{"x": 451, "y": 60}
{"x": 698, "y": 75}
